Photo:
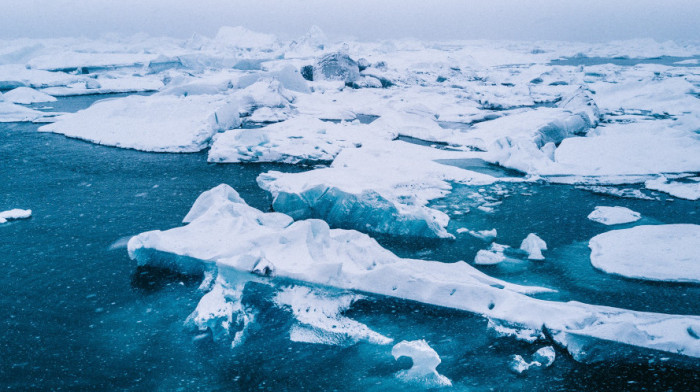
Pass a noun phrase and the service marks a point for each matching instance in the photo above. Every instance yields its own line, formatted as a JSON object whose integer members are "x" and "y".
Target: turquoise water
{"x": 79, "y": 315}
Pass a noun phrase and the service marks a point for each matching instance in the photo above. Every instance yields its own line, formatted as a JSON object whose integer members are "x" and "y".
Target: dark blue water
{"x": 78, "y": 315}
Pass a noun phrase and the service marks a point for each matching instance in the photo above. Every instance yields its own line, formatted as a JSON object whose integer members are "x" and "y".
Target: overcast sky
{"x": 577, "y": 20}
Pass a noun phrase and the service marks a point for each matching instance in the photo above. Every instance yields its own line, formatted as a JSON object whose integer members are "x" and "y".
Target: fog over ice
{"x": 574, "y": 20}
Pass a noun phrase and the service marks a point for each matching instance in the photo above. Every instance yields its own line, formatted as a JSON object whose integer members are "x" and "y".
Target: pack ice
{"x": 162, "y": 123}
{"x": 660, "y": 252}
{"x": 270, "y": 246}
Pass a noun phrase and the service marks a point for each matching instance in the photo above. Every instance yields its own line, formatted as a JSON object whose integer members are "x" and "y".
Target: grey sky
{"x": 592, "y": 20}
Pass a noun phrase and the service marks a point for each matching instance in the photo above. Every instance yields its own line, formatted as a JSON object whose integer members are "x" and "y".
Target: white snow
{"x": 425, "y": 363}
{"x": 613, "y": 215}
{"x": 689, "y": 190}
{"x": 661, "y": 252}
{"x": 488, "y": 257}
{"x": 15, "y": 213}
{"x": 161, "y": 123}
{"x": 272, "y": 245}
{"x": 26, "y": 95}
{"x": 533, "y": 245}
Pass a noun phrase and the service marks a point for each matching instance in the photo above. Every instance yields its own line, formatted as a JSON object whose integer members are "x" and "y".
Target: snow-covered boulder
{"x": 161, "y": 123}
{"x": 269, "y": 245}
{"x": 660, "y": 252}
{"x": 613, "y": 215}
{"x": 425, "y": 362}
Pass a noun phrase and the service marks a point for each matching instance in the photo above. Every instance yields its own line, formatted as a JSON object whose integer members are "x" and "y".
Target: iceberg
{"x": 160, "y": 123}
{"x": 271, "y": 246}
{"x": 659, "y": 252}
{"x": 381, "y": 187}
{"x": 613, "y": 215}
{"x": 425, "y": 362}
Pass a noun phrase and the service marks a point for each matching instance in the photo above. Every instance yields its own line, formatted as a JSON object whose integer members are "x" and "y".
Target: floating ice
{"x": 10, "y": 112}
{"x": 320, "y": 320}
{"x": 336, "y": 66}
{"x": 662, "y": 252}
{"x": 689, "y": 190}
{"x": 425, "y": 362}
{"x": 613, "y": 215}
{"x": 14, "y": 214}
{"x": 270, "y": 246}
{"x": 533, "y": 245}
{"x": 489, "y": 257}
{"x": 542, "y": 358}
{"x": 26, "y": 95}
{"x": 161, "y": 123}
{"x": 382, "y": 187}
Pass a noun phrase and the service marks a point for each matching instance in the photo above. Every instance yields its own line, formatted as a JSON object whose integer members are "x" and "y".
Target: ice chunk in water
{"x": 533, "y": 245}
{"x": 425, "y": 362}
{"x": 14, "y": 214}
{"x": 613, "y": 215}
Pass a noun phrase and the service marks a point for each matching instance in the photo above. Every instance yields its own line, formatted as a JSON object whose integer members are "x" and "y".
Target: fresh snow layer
{"x": 272, "y": 245}
{"x": 26, "y": 95}
{"x": 533, "y": 245}
{"x": 14, "y": 214}
{"x": 661, "y": 253}
{"x": 425, "y": 363}
{"x": 161, "y": 123}
{"x": 613, "y": 215}
{"x": 684, "y": 190}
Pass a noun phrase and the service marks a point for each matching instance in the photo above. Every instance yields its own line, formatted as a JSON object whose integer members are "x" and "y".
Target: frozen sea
{"x": 79, "y": 315}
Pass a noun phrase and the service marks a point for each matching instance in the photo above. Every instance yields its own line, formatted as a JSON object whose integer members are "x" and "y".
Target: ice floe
{"x": 542, "y": 358}
{"x": 15, "y": 213}
{"x": 161, "y": 123}
{"x": 689, "y": 189}
{"x": 272, "y": 246}
{"x": 659, "y": 252}
{"x": 425, "y": 362}
{"x": 613, "y": 215}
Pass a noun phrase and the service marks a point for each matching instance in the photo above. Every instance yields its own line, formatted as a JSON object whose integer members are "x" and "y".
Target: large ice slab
{"x": 301, "y": 139}
{"x": 689, "y": 190}
{"x": 382, "y": 187}
{"x": 161, "y": 123}
{"x": 662, "y": 252}
{"x": 10, "y": 112}
{"x": 270, "y": 245}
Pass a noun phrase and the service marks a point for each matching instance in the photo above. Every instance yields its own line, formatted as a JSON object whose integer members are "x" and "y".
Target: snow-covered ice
{"x": 26, "y": 95}
{"x": 658, "y": 252}
{"x": 15, "y": 213}
{"x": 162, "y": 123}
{"x": 425, "y": 363}
{"x": 613, "y": 215}
{"x": 689, "y": 190}
{"x": 533, "y": 245}
{"x": 272, "y": 245}
{"x": 542, "y": 358}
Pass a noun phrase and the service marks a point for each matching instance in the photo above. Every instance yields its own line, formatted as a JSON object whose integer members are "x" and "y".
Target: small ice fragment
{"x": 542, "y": 358}
{"x": 488, "y": 257}
{"x": 533, "y": 245}
{"x": 425, "y": 362}
{"x": 14, "y": 214}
